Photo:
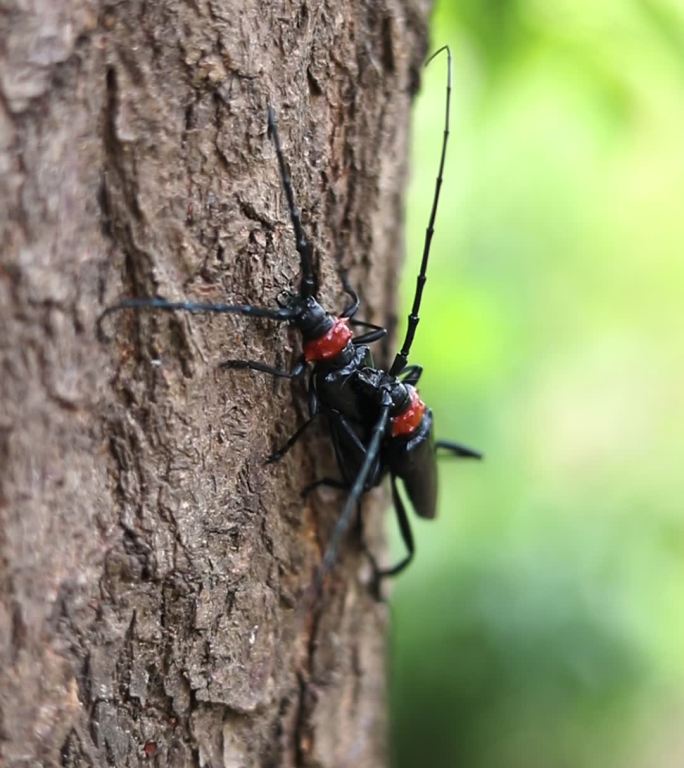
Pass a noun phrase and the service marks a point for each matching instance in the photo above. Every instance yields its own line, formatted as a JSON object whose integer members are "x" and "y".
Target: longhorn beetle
{"x": 377, "y": 422}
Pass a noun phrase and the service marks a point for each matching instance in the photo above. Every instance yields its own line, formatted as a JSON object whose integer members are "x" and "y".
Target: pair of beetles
{"x": 376, "y": 420}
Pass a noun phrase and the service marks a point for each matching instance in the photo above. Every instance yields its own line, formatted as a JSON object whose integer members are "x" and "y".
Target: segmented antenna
{"x": 283, "y": 314}
{"x": 303, "y": 245}
{"x": 401, "y": 359}
{"x": 356, "y": 491}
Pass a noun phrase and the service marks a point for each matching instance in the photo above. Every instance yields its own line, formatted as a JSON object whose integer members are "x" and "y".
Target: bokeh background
{"x": 542, "y": 623}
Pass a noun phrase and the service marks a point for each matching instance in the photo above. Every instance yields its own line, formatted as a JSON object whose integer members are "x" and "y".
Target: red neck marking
{"x": 410, "y": 418}
{"x": 330, "y": 344}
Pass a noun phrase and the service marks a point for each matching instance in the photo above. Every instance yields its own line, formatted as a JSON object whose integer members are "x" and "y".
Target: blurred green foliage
{"x": 542, "y": 624}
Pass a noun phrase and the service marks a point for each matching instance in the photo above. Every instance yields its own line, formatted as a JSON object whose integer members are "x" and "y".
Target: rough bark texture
{"x": 151, "y": 566}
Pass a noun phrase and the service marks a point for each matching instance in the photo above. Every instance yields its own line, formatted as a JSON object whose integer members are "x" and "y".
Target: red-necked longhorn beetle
{"x": 377, "y": 422}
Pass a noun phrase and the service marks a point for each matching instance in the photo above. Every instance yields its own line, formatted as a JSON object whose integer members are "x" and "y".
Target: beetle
{"x": 377, "y": 422}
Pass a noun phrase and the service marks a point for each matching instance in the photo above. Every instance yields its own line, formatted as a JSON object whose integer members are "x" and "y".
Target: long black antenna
{"x": 401, "y": 359}
{"x": 356, "y": 491}
{"x": 308, "y": 285}
{"x": 283, "y": 314}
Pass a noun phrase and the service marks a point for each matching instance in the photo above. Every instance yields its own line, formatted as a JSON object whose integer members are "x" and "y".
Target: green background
{"x": 542, "y": 622}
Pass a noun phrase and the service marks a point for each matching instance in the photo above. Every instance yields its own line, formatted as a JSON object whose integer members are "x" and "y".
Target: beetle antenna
{"x": 309, "y": 284}
{"x": 357, "y": 490}
{"x": 282, "y": 314}
{"x": 401, "y": 359}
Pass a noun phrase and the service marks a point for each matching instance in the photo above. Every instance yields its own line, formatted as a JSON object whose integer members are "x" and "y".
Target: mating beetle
{"x": 377, "y": 422}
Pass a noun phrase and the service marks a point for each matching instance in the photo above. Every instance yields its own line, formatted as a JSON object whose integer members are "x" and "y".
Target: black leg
{"x": 366, "y": 324}
{"x": 377, "y": 332}
{"x": 369, "y": 338}
{"x": 313, "y": 412}
{"x": 353, "y": 306}
{"x": 278, "y": 454}
{"x": 346, "y": 426}
{"x": 350, "y": 310}
{"x": 374, "y": 476}
{"x": 295, "y": 373}
{"x": 406, "y": 535}
{"x": 312, "y": 397}
{"x": 375, "y": 568}
{"x": 458, "y": 450}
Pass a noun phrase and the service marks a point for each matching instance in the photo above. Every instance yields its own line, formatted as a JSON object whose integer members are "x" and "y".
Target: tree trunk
{"x": 151, "y": 566}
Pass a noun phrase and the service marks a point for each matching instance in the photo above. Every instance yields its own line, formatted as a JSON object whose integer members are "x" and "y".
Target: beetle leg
{"x": 458, "y": 450}
{"x": 278, "y": 454}
{"x": 406, "y": 535}
{"x": 313, "y": 412}
{"x": 377, "y": 332}
{"x": 298, "y": 370}
{"x": 351, "y": 309}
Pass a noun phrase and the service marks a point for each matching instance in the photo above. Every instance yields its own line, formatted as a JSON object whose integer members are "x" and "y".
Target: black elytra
{"x": 377, "y": 423}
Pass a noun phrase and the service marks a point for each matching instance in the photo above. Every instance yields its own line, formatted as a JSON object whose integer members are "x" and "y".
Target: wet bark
{"x": 151, "y": 566}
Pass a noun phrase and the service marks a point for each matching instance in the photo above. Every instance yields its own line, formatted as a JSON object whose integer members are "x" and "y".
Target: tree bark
{"x": 151, "y": 566}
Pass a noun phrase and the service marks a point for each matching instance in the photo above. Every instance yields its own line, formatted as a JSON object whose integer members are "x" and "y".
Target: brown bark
{"x": 151, "y": 566}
